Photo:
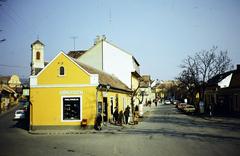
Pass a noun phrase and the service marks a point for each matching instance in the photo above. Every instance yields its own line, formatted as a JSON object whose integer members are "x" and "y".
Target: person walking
{"x": 115, "y": 115}
{"x": 126, "y": 114}
{"x": 156, "y": 102}
{"x": 120, "y": 118}
{"x": 98, "y": 125}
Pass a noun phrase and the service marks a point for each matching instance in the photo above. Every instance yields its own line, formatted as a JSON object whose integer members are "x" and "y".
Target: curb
{"x": 110, "y": 129}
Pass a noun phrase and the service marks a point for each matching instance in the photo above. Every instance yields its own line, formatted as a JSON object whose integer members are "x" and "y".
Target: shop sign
{"x": 71, "y": 92}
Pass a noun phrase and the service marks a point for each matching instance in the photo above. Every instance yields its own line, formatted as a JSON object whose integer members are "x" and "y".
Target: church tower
{"x": 37, "y": 64}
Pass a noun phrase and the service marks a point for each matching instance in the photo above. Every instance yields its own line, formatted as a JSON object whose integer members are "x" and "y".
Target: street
{"x": 163, "y": 131}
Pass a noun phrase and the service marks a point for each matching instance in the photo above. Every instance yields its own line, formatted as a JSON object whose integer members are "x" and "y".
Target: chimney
{"x": 99, "y": 39}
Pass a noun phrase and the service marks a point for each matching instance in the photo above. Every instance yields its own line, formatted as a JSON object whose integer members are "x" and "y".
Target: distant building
{"x": 145, "y": 86}
{"x": 7, "y": 96}
{"x": 222, "y": 94}
{"x": 11, "y": 81}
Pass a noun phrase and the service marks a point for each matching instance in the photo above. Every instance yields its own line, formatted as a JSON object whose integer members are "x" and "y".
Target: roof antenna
{"x": 74, "y": 38}
{"x": 37, "y": 37}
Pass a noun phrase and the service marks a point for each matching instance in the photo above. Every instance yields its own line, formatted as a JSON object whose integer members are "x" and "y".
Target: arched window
{"x": 61, "y": 70}
{"x": 38, "y": 55}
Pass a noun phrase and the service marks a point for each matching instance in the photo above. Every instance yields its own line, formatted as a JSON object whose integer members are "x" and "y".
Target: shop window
{"x": 38, "y": 55}
{"x": 61, "y": 71}
{"x": 71, "y": 108}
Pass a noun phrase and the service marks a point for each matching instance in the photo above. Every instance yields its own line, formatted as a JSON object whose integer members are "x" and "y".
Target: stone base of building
{"x": 59, "y": 127}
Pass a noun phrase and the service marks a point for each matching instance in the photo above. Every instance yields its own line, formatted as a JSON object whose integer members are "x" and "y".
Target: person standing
{"x": 120, "y": 118}
{"x": 98, "y": 125}
{"x": 156, "y": 102}
{"x": 115, "y": 115}
{"x": 126, "y": 114}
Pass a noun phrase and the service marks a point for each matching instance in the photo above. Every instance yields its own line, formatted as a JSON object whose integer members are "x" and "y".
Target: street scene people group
{"x": 121, "y": 117}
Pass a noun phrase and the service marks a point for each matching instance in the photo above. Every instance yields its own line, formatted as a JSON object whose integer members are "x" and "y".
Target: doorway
{"x": 105, "y": 109}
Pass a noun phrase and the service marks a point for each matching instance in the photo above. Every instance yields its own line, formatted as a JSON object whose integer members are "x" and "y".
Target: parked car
{"x": 181, "y": 106}
{"x": 19, "y": 114}
{"x": 175, "y": 102}
{"x": 167, "y": 102}
{"x": 189, "y": 109}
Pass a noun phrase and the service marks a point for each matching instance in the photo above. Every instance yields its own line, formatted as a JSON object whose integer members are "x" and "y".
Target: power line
{"x": 12, "y": 66}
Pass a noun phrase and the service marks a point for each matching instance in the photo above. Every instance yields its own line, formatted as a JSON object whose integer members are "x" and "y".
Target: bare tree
{"x": 197, "y": 70}
{"x": 135, "y": 95}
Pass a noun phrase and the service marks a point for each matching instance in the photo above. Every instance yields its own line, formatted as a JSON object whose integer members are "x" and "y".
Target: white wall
{"x": 93, "y": 57}
{"x": 38, "y": 63}
{"x": 118, "y": 63}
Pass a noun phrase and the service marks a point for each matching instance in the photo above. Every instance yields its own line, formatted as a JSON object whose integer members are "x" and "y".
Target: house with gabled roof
{"x": 222, "y": 93}
{"x": 113, "y": 60}
{"x": 67, "y": 94}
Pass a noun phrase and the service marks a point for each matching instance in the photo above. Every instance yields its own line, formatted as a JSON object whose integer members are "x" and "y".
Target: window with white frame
{"x": 71, "y": 108}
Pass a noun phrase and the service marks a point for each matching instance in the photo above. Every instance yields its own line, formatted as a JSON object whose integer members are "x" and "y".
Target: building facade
{"x": 67, "y": 92}
{"x": 111, "y": 59}
{"x": 222, "y": 95}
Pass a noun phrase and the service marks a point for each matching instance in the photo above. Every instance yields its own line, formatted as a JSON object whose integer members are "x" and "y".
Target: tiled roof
{"x": 76, "y": 54}
{"x": 4, "y": 79}
{"x": 146, "y": 81}
{"x": 104, "y": 78}
{"x": 6, "y": 88}
{"x": 234, "y": 80}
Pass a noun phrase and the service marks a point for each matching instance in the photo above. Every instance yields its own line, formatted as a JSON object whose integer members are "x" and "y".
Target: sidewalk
{"x": 106, "y": 128}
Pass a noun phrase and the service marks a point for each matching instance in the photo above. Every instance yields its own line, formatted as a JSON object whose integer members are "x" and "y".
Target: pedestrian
{"x": 136, "y": 111}
{"x": 136, "y": 114}
{"x": 115, "y": 115}
{"x": 126, "y": 114}
{"x": 98, "y": 124}
{"x": 155, "y": 101}
{"x": 210, "y": 110}
{"x": 120, "y": 118}
{"x": 149, "y": 103}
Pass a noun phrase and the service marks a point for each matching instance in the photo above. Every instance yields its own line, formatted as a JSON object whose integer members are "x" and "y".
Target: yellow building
{"x": 66, "y": 92}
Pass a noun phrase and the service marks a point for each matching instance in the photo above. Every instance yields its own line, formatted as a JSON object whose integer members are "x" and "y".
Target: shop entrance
{"x": 105, "y": 109}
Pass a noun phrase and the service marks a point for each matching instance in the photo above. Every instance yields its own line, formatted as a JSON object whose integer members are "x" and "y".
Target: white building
{"x": 111, "y": 59}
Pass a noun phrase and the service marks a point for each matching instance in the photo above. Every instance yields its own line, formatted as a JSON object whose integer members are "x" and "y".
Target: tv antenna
{"x": 74, "y": 38}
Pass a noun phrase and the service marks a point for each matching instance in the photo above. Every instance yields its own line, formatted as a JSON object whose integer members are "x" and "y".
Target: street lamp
{"x": 108, "y": 87}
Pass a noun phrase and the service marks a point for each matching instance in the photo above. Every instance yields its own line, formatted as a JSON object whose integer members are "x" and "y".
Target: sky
{"x": 160, "y": 34}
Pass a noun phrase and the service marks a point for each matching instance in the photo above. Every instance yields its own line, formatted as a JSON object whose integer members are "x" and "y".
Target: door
{"x": 105, "y": 109}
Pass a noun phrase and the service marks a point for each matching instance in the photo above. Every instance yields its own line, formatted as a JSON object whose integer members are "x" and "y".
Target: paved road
{"x": 165, "y": 131}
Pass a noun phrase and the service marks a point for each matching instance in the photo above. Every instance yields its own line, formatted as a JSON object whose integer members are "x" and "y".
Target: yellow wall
{"x": 114, "y": 94}
{"x": 47, "y": 103}
{"x": 134, "y": 82}
{"x": 46, "y": 97}
{"x": 73, "y": 74}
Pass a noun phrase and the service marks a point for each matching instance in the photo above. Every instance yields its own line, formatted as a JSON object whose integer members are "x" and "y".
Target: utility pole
{"x": 74, "y": 38}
